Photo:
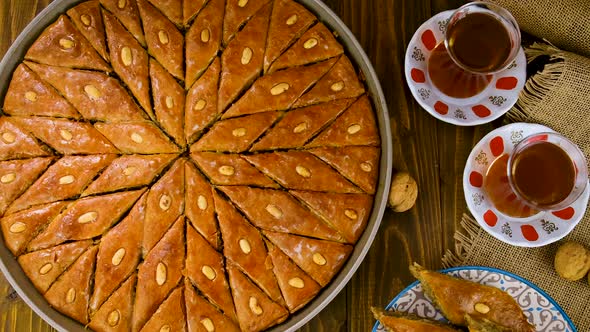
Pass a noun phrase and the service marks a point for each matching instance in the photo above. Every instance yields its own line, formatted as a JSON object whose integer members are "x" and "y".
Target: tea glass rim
{"x": 498, "y": 10}
{"x": 581, "y": 172}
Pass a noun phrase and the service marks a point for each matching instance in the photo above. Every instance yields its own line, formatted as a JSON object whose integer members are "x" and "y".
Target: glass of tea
{"x": 481, "y": 39}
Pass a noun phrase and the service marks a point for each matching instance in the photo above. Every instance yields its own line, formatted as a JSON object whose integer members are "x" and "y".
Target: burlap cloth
{"x": 558, "y": 97}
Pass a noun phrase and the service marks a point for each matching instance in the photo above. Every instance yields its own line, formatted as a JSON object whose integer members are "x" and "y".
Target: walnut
{"x": 572, "y": 261}
{"x": 403, "y": 192}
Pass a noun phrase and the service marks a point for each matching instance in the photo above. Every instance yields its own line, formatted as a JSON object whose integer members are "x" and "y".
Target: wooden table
{"x": 432, "y": 151}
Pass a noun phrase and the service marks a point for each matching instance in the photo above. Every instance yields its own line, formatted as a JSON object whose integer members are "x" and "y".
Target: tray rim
{"x": 35, "y": 300}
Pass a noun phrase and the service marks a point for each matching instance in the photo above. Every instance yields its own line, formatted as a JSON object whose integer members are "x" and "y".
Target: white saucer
{"x": 541, "y": 229}
{"x": 495, "y": 100}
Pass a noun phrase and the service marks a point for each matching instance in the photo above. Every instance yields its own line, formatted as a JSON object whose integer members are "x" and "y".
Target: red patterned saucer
{"x": 538, "y": 230}
{"x": 496, "y": 99}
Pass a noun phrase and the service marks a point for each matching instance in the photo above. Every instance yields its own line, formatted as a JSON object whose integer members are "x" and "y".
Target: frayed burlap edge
{"x": 534, "y": 92}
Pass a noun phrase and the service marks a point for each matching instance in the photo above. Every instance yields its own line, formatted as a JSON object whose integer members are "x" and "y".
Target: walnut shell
{"x": 572, "y": 261}
{"x": 403, "y": 192}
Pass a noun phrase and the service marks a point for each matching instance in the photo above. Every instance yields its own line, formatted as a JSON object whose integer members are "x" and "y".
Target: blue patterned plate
{"x": 540, "y": 309}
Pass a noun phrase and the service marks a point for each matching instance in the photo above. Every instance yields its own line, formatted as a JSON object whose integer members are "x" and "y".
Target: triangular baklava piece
{"x": 278, "y": 211}
{"x": 237, "y": 13}
{"x": 278, "y": 91}
{"x": 16, "y": 176}
{"x": 340, "y": 82}
{"x": 243, "y": 245}
{"x": 165, "y": 203}
{"x": 61, "y": 44}
{"x": 126, "y": 11}
{"x": 16, "y": 144}
{"x": 170, "y": 315}
{"x": 160, "y": 272}
{"x": 71, "y": 292}
{"x": 118, "y": 254}
{"x": 318, "y": 258}
{"x": 235, "y": 135}
{"x": 63, "y": 180}
{"x": 203, "y": 40}
{"x": 44, "y": 266}
{"x": 396, "y": 321}
{"x": 205, "y": 268}
{"x": 190, "y": 9}
{"x": 242, "y": 59}
{"x": 137, "y": 137}
{"x": 168, "y": 102}
{"x": 87, "y": 18}
{"x": 230, "y": 170}
{"x": 201, "y": 102}
{"x": 85, "y": 219}
{"x": 288, "y": 22}
{"x": 301, "y": 170}
{"x": 115, "y": 313}
{"x": 356, "y": 126}
{"x": 203, "y": 316}
{"x": 29, "y": 95}
{"x": 199, "y": 207}
{"x": 348, "y": 213}
{"x": 300, "y": 125}
{"x": 171, "y": 8}
{"x": 165, "y": 42}
{"x": 317, "y": 44}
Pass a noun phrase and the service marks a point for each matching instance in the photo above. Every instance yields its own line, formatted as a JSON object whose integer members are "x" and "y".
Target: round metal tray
{"x": 25, "y": 289}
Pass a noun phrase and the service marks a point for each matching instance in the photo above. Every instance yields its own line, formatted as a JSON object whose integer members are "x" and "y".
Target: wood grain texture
{"x": 432, "y": 151}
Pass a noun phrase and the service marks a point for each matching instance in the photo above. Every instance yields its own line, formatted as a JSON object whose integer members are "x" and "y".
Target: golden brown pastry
{"x": 403, "y": 322}
{"x": 164, "y": 41}
{"x": 165, "y": 203}
{"x": 66, "y": 136}
{"x": 61, "y": 44}
{"x": 315, "y": 45}
{"x": 118, "y": 254}
{"x": 129, "y": 60}
{"x": 243, "y": 245}
{"x": 230, "y": 169}
{"x": 318, "y": 258}
{"x": 62, "y": 180}
{"x": 86, "y": 218}
{"x": 288, "y": 22}
{"x": 347, "y": 213}
{"x": 484, "y": 325}
{"x": 297, "y": 287}
{"x": 115, "y": 314}
{"x": 126, "y": 11}
{"x": 94, "y": 94}
{"x": 160, "y": 272}
{"x": 340, "y": 82}
{"x": 199, "y": 208}
{"x": 19, "y": 228}
{"x": 456, "y": 298}
{"x": 242, "y": 59}
{"x": 16, "y": 144}
{"x": 205, "y": 269}
{"x": 171, "y": 8}
{"x": 276, "y": 210}
{"x": 168, "y": 102}
{"x": 70, "y": 292}
{"x": 236, "y": 135}
{"x": 301, "y": 170}
{"x": 16, "y": 176}
{"x": 29, "y": 95}
{"x": 300, "y": 125}
{"x": 278, "y": 91}
{"x": 256, "y": 311}
{"x": 87, "y": 17}
{"x": 44, "y": 266}
{"x": 190, "y": 9}
{"x": 572, "y": 261}
{"x": 137, "y": 137}
{"x": 202, "y": 316}
{"x": 170, "y": 315}
{"x": 356, "y": 126}
{"x": 238, "y": 12}
{"x": 201, "y": 102}
{"x": 128, "y": 172}
{"x": 359, "y": 164}
{"x": 203, "y": 40}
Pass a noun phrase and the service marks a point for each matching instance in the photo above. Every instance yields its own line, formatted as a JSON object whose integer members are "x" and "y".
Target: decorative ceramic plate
{"x": 540, "y": 309}
{"x": 496, "y": 99}
{"x": 538, "y": 230}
